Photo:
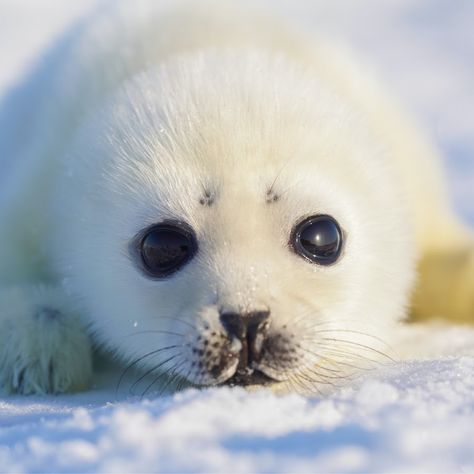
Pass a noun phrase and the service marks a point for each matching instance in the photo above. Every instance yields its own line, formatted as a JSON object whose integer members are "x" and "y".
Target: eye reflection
{"x": 318, "y": 239}
{"x": 165, "y": 248}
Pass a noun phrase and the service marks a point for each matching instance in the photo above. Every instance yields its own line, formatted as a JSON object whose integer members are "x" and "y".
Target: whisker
{"x": 352, "y": 356}
{"x": 155, "y": 331}
{"x": 336, "y": 374}
{"x": 297, "y": 381}
{"x": 338, "y": 362}
{"x": 289, "y": 386}
{"x": 325, "y": 376}
{"x": 352, "y": 331}
{"x": 164, "y": 374}
{"x": 362, "y": 346}
{"x": 184, "y": 382}
{"x": 315, "y": 324}
{"x": 136, "y": 361}
{"x": 312, "y": 369}
{"x": 150, "y": 371}
{"x": 319, "y": 357}
{"x": 285, "y": 164}
{"x": 316, "y": 379}
{"x": 182, "y": 321}
{"x": 171, "y": 379}
{"x": 345, "y": 341}
{"x": 313, "y": 388}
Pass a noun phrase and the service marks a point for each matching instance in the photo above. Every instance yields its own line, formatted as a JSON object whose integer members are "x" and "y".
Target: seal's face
{"x": 240, "y": 227}
{"x": 233, "y": 338}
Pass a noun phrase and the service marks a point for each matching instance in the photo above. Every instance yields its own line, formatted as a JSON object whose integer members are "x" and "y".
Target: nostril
{"x": 234, "y": 324}
{"x": 244, "y": 324}
{"x": 251, "y": 329}
{"x": 257, "y": 328}
{"x": 256, "y": 320}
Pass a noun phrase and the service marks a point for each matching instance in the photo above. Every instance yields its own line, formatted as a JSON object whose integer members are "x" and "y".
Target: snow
{"x": 412, "y": 417}
{"x": 415, "y": 415}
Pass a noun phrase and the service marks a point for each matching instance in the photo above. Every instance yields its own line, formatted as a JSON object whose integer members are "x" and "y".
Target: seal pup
{"x": 215, "y": 197}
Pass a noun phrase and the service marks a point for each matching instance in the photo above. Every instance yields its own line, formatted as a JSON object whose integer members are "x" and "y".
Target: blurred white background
{"x": 423, "y": 49}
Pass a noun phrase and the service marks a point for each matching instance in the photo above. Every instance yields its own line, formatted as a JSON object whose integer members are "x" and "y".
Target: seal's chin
{"x": 247, "y": 377}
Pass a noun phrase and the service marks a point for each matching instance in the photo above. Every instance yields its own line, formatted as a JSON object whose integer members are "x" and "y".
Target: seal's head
{"x": 230, "y": 219}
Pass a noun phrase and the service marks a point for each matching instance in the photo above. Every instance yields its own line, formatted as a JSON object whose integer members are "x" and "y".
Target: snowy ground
{"x": 415, "y": 416}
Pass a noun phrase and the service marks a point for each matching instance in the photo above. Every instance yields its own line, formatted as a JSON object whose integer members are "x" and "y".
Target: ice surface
{"x": 412, "y": 416}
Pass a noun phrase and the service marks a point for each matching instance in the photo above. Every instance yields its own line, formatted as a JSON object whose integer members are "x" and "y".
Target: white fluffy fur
{"x": 125, "y": 123}
{"x": 43, "y": 345}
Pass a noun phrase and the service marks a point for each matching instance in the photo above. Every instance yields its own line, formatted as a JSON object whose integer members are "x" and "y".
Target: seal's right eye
{"x": 165, "y": 248}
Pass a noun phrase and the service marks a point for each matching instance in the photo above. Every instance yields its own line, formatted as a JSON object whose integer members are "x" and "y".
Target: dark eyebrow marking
{"x": 271, "y": 196}
{"x": 207, "y": 199}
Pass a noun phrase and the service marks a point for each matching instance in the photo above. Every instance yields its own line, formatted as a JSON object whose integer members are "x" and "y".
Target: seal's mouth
{"x": 248, "y": 377}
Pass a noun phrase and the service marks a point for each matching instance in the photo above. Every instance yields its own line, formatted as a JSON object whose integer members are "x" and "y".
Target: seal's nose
{"x": 251, "y": 329}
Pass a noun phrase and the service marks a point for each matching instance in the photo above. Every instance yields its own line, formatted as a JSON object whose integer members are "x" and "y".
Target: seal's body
{"x": 216, "y": 197}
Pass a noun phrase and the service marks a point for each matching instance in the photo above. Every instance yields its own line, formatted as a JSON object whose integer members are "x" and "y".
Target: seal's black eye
{"x": 317, "y": 238}
{"x": 165, "y": 248}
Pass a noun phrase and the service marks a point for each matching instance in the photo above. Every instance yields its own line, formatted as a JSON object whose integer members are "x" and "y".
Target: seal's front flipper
{"x": 43, "y": 346}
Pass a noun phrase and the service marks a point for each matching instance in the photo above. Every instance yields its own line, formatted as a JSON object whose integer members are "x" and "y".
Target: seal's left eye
{"x": 318, "y": 239}
{"x": 165, "y": 248}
